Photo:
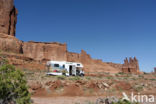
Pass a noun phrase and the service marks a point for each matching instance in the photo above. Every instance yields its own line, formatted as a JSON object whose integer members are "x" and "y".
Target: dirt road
{"x": 70, "y": 100}
{"x": 64, "y": 100}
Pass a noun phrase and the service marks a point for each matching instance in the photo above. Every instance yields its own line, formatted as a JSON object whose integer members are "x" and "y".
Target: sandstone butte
{"x": 34, "y": 55}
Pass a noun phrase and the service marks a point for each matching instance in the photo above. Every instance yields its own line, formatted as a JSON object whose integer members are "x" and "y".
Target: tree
{"x": 13, "y": 88}
{"x": 3, "y": 60}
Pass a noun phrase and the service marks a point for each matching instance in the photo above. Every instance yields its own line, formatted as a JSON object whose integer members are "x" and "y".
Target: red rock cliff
{"x": 91, "y": 65}
{"x": 8, "y": 17}
{"x": 10, "y": 44}
{"x": 45, "y": 51}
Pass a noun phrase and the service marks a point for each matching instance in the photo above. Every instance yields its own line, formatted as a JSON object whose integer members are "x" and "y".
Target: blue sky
{"x": 107, "y": 29}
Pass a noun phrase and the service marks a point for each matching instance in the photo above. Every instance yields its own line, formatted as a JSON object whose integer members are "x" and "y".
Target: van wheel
{"x": 81, "y": 75}
{"x": 64, "y": 74}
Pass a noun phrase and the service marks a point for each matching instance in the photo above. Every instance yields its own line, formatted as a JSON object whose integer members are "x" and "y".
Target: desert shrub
{"x": 13, "y": 88}
{"x": 91, "y": 90}
{"x": 3, "y": 60}
{"x": 129, "y": 75}
{"x": 121, "y": 73}
{"x": 61, "y": 77}
{"x": 141, "y": 76}
{"x": 109, "y": 77}
{"x": 146, "y": 73}
{"x": 124, "y": 102}
{"x": 134, "y": 79}
{"x": 88, "y": 78}
{"x": 75, "y": 78}
{"x": 153, "y": 79}
{"x": 138, "y": 88}
{"x": 77, "y": 103}
{"x": 117, "y": 75}
{"x": 125, "y": 78}
{"x": 64, "y": 72}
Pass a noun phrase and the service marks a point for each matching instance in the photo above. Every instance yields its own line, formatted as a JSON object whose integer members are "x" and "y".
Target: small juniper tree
{"x": 3, "y": 60}
{"x": 13, "y": 88}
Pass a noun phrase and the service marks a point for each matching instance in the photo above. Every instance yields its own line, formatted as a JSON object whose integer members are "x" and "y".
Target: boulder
{"x": 108, "y": 100}
{"x": 35, "y": 85}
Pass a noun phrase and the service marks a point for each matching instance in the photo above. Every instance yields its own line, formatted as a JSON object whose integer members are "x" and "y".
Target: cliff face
{"x": 34, "y": 55}
{"x": 8, "y": 17}
{"x": 10, "y": 44}
{"x": 91, "y": 65}
{"x": 45, "y": 51}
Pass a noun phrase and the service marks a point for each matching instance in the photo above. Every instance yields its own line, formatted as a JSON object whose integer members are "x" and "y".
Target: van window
{"x": 56, "y": 65}
{"x": 63, "y": 66}
{"x": 78, "y": 64}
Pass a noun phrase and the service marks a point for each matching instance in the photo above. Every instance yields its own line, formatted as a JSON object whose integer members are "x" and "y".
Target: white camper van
{"x": 65, "y": 68}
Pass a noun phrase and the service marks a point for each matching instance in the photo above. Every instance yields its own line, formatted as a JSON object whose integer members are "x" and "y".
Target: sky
{"x": 107, "y": 29}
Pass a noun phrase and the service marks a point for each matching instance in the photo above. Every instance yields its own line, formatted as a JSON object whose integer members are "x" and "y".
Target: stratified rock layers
{"x": 10, "y": 44}
{"x": 45, "y": 51}
{"x": 8, "y": 17}
{"x": 34, "y": 55}
{"x": 91, "y": 65}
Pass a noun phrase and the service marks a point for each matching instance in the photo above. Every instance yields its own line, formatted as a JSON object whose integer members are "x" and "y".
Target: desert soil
{"x": 86, "y": 90}
{"x": 64, "y": 100}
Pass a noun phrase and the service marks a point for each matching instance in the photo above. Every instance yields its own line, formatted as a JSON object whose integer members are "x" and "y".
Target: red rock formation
{"x": 115, "y": 65}
{"x": 73, "y": 57}
{"x": 131, "y": 65}
{"x": 33, "y": 55}
{"x": 45, "y": 51}
{"x": 10, "y": 44}
{"x": 155, "y": 70}
{"x": 91, "y": 65}
{"x": 8, "y": 17}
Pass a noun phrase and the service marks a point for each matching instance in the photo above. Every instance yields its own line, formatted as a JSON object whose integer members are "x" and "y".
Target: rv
{"x": 64, "y": 68}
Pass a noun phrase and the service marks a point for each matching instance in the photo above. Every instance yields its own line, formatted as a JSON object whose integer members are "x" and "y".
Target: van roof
{"x": 65, "y": 62}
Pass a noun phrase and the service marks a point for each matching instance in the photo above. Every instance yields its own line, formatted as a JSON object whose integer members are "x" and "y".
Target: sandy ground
{"x": 70, "y": 100}
{"x": 64, "y": 100}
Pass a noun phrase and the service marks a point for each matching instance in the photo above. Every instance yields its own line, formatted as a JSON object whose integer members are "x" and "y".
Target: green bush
{"x": 88, "y": 78}
{"x": 121, "y": 73}
{"x": 74, "y": 78}
{"x": 124, "y": 102}
{"x": 13, "y": 88}
{"x": 138, "y": 88}
{"x": 61, "y": 77}
{"x": 109, "y": 77}
{"x": 153, "y": 79}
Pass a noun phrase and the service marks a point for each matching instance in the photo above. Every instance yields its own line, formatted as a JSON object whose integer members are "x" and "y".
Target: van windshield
{"x": 56, "y": 65}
